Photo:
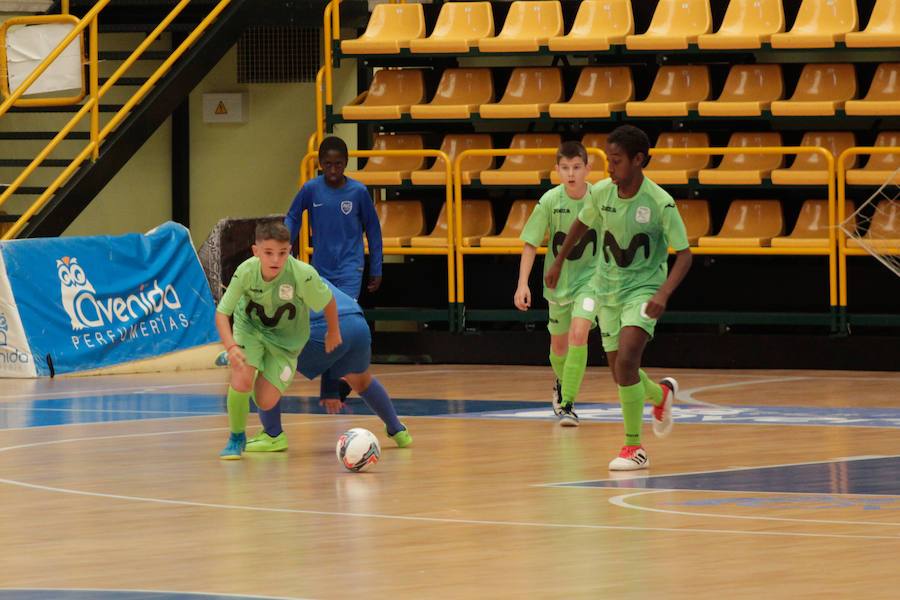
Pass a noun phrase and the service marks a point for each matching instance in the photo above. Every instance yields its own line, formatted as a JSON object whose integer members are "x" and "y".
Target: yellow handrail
{"x": 843, "y": 250}
{"x": 329, "y": 67}
{"x": 320, "y": 110}
{"x": 307, "y": 251}
{"x": 93, "y": 102}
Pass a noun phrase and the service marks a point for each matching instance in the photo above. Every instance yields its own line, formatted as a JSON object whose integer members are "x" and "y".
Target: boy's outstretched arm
{"x": 656, "y": 306}
{"x": 522, "y": 298}
{"x": 576, "y": 231}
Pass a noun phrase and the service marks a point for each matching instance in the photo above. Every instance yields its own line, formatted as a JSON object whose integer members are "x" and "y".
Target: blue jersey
{"x": 338, "y": 217}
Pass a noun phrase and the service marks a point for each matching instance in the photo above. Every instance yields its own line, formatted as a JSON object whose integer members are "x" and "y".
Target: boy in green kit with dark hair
{"x": 571, "y": 301}
{"x": 639, "y": 222}
{"x": 270, "y": 296}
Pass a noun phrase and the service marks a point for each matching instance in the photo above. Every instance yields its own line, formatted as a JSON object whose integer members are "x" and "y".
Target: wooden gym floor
{"x": 776, "y": 484}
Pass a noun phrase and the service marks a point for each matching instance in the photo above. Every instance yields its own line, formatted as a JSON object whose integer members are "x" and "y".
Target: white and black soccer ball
{"x": 358, "y": 449}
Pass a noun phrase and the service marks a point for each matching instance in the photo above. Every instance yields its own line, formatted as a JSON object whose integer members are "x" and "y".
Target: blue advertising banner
{"x": 89, "y": 302}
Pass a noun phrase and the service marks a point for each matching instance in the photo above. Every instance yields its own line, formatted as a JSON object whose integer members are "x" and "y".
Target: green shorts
{"x": 560, "y": 318}
{"x": 277, "y": 365}
{"x": 613, "y": 317}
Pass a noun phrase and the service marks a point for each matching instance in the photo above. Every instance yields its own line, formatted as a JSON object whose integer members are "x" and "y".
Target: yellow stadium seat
{"x": 519, "y": 169}
{"x": 598, "y": 25}
{"x": 390, "y": 28}
{"x": 697, "y": 221}
{"x": 811, "y": 169}
{"x": 459, "y": 94}
{"x": 401, "y": 220}
{"x": 392, "y": 93}
{"x": 676, "y": 91}
{"x": 390, "y": 170}
{"x": 749, "y": 90}
{"x": 883, "y": 30}
{"x": 677, "y": 169}
{"x": 530, "y": 92}
{"x": 515, "y": 223}
{"x": 819, "y": 24}
{"x": 741, "y": 169}
{"x": 811, "y": 229}
{"x": 529, "y": 25}
{"x": 590, "y": 140}
{"x": 747, "y": 24}
{"x": 438, "y": 236}
{"x": 600, "y": 91}
{"x": 883, "y": 98}
{"x": 477, "y": 222}
{"x": 880, "y": 167}
{"x": 822, "y": 90}
{"x": 459, "y": 27}
{"x": 453, "y": 145}
{"x": 749, "y": 223}
{"x": 675, "y": 25}
{"x": 884, "y": 228}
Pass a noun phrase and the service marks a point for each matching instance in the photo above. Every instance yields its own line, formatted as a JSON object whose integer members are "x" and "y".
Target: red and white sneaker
{"x": 630, "y": 458}
{"x": 662, "y": 414}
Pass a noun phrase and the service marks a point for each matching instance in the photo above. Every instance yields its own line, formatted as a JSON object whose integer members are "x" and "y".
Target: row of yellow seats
{"x": 733, "y": 169}
{"x": 676, "y": 24}
{"x": 821, "y": 90}
{"x": 748, "y": 224}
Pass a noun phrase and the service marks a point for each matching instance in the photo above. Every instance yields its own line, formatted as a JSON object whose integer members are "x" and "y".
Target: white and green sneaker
{"x": 402, "y": 438}
{"x": 263, "y": 442}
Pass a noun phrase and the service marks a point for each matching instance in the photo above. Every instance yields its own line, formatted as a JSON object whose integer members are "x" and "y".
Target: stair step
{"x": 9, "y": 218}
{"x": 144, "y": 27}
{"x": 74, "y": 108}
{"x": 24, "y": 162}
{"x": 24, "y": 190}
{"x": 123, "y": 54}
{"x": 42, "y": 135}
{"x": 138, "y": 81}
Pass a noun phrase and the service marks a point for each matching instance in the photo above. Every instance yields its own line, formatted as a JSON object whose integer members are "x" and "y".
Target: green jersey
{"x": 556, "y": 212}
{"x": 635, "y": 237}
{"x": 277, "y": 310}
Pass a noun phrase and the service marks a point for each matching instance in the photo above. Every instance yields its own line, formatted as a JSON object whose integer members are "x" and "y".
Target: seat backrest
{"x": 455, "y": 143}
{"x": 400, "y": 218}
{"x": 522, "y": 141}
{"x": 761, "y": 83}
{"x": 477, "y": 218}
{"x": 885, "y": 162}
{"x": 681, "y": 83}
{"x": 533, "y": 19}
{"x": 679, "y": 140}
{"x": 518, "y": 216}
{"x": 835, "y": 142}
{"x": 594, "y": 140}
{"x": 753, "y": 218}
{"x": 464, "y": 20}
{"x": 386, "y": 141}
{"x": 603, "y": 84}
{"x": 684, "y": 17}
{"x": 603, "y": 18}
{"x": 440, "y": 227}
{"x": 885, "y": 17}
{"x": 695, "y": 214}
{"x": 539, "y": 85}
{"x": 396, "y": 86}
{"x": 813, "y": 220}
{"x": 819, "y": 16}
{"x": 762, "y": 17}
{"x": 886, "y": 221}
{"x": 396, "y": 22}
{"x": 465, "y": 86}
{"x": 886, "y": 82}
{"x": 752, "y": 161}
{"x": 825, "y": 82}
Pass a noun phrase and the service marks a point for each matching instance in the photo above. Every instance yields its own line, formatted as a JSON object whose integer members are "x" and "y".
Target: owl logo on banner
{"x": 73, "y": 283}
{"x": 346, "y": 206}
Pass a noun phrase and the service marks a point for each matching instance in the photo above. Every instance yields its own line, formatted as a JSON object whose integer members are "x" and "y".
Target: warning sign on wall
{"x": 225, "y": 108}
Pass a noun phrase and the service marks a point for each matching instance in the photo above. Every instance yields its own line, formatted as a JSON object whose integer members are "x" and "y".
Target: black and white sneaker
{"x": 567, "y": 416}
{"x": 557, "y": 397}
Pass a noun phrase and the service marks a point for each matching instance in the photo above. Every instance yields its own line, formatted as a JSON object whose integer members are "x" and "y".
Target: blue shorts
{"x": 353, "y": 355}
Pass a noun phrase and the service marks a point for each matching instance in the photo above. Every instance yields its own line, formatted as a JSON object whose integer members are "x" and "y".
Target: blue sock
{"x": 376, "y": 398}
{"x": 271, "y": 420}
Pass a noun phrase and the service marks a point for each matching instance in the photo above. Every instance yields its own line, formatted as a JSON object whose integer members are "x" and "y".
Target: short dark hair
{"x": 333, "y": 144}
{"x": 272, "y": 230}
{"x": 632, "y": 140}
{"x": 574, "y": 149}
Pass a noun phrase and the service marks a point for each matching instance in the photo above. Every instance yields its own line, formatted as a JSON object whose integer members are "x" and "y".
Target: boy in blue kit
{"x": 340, "y": 211}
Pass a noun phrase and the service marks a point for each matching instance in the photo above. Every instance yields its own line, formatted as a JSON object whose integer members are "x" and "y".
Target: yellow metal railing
{"x": 307, "y": 171}
{"x": 96, "y": 94}
{"x": 843, "y": 250}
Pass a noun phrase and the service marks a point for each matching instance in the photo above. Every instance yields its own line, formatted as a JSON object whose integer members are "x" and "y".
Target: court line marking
{"x": 621, "y": 501}
{"x": 438, "y": 520}
{"x": 143, "y": 591}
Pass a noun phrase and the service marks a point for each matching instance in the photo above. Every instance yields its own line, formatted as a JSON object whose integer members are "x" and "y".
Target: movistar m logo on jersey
{"x": 624, "y": 257}
{"x": 266, "y": 319}
{"x": 578, "y": 251}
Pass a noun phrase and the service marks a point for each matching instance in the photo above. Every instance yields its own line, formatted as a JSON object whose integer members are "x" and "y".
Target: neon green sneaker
{"x": 256, "y": 437}
{"x": 263, "y": 442}
{"x": 402, "y": 438}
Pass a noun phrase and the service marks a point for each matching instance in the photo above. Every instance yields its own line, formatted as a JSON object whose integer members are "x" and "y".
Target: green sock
{"x": 238, "y": 407}
{"x": 632, "y": 399}
{"x": 558, "y": 363}
{"x": 652, "y": 390}
{"x": 576, "y": 363}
